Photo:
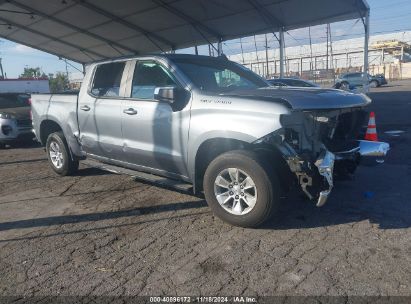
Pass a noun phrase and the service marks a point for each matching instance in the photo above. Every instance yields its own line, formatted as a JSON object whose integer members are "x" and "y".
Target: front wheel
{"x": 241, "y": 188}
{"x": 59, "y": 155}
{"x": 345, "y": 86}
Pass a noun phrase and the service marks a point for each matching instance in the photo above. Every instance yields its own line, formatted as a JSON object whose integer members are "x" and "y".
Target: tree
{"x": 58, "y": 82}
{"x": 33, "y": 73}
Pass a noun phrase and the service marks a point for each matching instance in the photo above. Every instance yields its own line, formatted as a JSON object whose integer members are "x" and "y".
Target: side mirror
{"x": 171, "y": 95}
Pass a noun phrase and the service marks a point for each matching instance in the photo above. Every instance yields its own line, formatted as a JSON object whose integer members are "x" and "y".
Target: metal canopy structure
{"x": 90, "y": 30}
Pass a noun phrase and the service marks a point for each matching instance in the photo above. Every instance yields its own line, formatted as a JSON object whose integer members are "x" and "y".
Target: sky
{"x": 386, "y": 16}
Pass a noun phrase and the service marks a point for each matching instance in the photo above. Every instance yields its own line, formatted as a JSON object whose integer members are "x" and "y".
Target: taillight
{"x": 29, "y": 101}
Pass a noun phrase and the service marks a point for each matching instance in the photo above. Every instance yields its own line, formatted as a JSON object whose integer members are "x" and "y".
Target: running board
{"x": 155, "y": 180}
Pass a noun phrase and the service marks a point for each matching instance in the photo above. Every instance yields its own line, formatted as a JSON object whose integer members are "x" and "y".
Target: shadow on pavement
{"x": 299, "y": 214}
{"x": 89, "y": 171}
{"x": 100, "y": 216}
{"x": 295, "y": 214}
{"x": 23, "y": 144}
{"x": 23, "y": 161}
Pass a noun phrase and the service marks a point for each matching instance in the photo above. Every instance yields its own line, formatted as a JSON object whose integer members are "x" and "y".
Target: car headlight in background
{"x": 6, "y": 130}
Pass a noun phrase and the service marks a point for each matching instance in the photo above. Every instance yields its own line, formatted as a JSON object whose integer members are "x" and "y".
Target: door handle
{"x": 130, "y": 111}
{"x": 85, "y": 108}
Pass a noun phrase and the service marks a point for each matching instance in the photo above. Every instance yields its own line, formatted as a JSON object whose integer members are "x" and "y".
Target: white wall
{"x": 24, "y": 86}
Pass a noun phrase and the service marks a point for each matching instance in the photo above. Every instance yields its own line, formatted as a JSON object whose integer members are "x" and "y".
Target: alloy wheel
{"x": 235, "y": 191}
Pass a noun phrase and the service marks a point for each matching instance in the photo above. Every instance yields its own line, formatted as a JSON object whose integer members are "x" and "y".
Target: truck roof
{"x": 169, "y": 56}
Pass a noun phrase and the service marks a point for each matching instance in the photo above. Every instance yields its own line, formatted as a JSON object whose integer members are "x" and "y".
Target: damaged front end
{"x": 320, "y": 145}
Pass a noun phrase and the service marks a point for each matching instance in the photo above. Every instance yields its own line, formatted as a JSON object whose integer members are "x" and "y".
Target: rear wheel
{"x": 59, "y": 155}
{"x": 241, "y": 189}
{"x": 345, "y": 86}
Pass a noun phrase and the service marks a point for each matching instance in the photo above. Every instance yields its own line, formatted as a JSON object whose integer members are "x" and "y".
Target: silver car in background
{"x": 15, "y": 120}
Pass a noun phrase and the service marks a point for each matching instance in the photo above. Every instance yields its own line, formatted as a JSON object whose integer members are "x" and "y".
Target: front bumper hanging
{"x": 371, "y": 152}
{"x": 325, "y": 165}
{"x": 317, "y": 178}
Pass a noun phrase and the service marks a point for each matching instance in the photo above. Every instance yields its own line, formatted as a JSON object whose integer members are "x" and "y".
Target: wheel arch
{"x": 213, "y": 147}
{"x": 48, "y": 127}
{"x": 209, "y": 150}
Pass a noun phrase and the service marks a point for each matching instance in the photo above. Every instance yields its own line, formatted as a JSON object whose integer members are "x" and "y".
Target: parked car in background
{"x": 379, "y": 79}
{"x": 292, "y": 82}
{"x": 349, "y": 80}
{"x": 15, "y": 120}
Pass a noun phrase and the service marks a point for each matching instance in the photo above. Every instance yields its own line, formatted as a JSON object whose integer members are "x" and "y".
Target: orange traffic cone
{"x": 371, "y": 134}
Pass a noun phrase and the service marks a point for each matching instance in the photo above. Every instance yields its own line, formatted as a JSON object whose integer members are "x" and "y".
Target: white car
{"x": 15, "y": 120}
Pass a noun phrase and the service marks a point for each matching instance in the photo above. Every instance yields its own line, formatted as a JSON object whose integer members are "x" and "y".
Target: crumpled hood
{"x": 305, "y": 98}
{"x": 19, "y": 113}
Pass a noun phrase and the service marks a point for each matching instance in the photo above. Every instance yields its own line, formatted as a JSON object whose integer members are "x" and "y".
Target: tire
{"x": 2, "y": 145}
{"x": 345, "y": 86}
{"x": 263, "y": 198}
{"x": 374, "y": 84}
{"x": 59, "y": 156}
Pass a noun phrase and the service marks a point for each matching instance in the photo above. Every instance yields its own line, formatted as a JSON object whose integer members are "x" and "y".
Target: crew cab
{"x": 210, "y": 123}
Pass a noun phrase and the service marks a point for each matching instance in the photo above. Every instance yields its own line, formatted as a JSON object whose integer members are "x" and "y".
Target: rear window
{"x": 107, "y": 79}
{"x": 14, "y": 101}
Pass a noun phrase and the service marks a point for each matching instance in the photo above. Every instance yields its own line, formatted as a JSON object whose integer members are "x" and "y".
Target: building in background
{"x": 389, "y": 54}
{"x": 75, "y": 80}
{"x": 23, "y": 85}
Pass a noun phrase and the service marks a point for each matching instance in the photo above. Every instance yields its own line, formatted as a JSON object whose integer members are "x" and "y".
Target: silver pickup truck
{"x": 210, "y": 123}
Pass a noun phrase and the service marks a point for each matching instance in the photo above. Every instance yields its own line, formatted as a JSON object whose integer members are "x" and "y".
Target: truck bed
{"x": 55, "y": 108}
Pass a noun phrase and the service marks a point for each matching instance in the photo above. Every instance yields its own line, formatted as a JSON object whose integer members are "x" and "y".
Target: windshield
{"x": 218, "y": 75}
{"x": 14, "y": 101}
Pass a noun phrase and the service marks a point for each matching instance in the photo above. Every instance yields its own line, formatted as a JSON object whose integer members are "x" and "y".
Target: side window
{"x": 149, "y": 75}
{"x": 107, "y": 79}
{"x": 226, "y": 78}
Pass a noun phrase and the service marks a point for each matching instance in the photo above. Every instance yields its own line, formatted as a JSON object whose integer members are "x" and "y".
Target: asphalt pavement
{"x": 103, "y": 234}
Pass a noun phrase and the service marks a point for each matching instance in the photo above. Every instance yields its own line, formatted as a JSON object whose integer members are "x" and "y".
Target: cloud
{"x": 20, "y": 48}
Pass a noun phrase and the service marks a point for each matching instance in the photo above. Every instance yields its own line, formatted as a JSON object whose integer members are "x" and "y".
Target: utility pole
{"x": 326, "y": 60}
{"x": 1, "y": 70}
{"x": 366, "y": 22}
{"x": 331, "y": 45}
{"x": 282, "y": 55}
{"x": 242, "y": 51}
{"x": 311, "y": 49}
{"x": 331, "y": 49}
{"x": 220, "y": 47}
{"x": 256, "y": 55}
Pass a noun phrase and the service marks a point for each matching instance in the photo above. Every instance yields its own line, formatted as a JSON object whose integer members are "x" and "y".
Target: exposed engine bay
{"x": 319, "y": 146}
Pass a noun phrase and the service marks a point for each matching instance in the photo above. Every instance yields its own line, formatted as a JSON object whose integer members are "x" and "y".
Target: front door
{"x": 99, "y": 112}
{"x": 155, "y": 135}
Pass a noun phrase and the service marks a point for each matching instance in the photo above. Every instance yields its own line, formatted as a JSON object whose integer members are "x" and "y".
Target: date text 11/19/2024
{"x": 203, "y": 299}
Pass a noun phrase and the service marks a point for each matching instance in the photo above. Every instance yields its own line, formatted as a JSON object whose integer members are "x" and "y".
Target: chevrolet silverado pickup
{"x": 210, "y": 123}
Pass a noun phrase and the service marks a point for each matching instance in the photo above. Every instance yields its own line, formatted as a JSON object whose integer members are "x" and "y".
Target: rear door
{"x": 356, "y": 79}
{"x": 99, "y": 111}
{"x": 155, "y": 135}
